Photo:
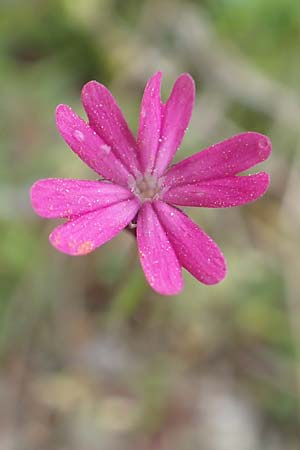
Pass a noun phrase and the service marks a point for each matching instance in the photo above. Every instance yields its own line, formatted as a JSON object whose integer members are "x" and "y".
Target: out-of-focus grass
{"x": 90, "y": 356}
{"x": 267, "y": 31}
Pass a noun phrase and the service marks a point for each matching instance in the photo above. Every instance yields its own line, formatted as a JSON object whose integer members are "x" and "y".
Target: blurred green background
{"x": 90, "y": 357}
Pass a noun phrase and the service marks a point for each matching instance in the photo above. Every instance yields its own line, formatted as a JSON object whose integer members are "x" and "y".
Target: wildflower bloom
{"x": 140, "y": 187}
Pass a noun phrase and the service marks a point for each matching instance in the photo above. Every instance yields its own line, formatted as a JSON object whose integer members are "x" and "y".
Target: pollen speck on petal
{"x": 85, "y": 247}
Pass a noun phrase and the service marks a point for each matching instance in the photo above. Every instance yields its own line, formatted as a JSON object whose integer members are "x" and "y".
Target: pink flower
{"x": 141, "y": 187}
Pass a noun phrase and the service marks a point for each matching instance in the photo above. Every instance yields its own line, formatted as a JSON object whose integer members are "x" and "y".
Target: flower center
{"x": 146, "y": 188}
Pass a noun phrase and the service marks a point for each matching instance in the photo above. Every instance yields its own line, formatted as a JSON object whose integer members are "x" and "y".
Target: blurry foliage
{"x": 248, "y": 118}
{"x": 129, "y": 10}
{"x": 268, "y": 31}
{"x": 47, "y": 33}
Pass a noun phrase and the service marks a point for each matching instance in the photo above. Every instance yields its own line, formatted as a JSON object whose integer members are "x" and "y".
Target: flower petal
{"x": 107, "y": 120}
{"x": 176, "y": 117}
{"x": 220, "y": 193}
{"x": 158, "y": 259}
{"x": 221, "y": 160}
{"x": 195, "y": 251}
{"x": 59, "y": 197}
{"x": 85, "y": 142}
{"x": 150, "y": 122}
{"x": 87, "y": 232}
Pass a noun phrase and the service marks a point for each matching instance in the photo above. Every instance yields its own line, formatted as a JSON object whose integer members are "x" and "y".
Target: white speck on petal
{"x": 78, "y": 135}
{"x": 106, "y": 148}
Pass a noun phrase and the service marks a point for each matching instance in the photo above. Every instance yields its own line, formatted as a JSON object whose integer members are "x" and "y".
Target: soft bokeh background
{"x": 90, "y": 357}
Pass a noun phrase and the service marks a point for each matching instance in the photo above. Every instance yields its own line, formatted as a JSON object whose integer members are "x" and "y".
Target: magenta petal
{"x": 176, "y": 117}
{"x": 82, "y": 235}
{"x": 85, "y": 142}
{"x": 158, "y": 259}
{"x": 196, "y": 251}
{"x": 58, "y": 197}
{"x": 220, "y": 193}
{"x": 150, "y": 122}
{"x": 107, "y": 120}
{"x": 221, "y": 160}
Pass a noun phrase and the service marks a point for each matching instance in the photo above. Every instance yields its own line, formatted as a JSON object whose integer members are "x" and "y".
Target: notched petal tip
{"x": 37, "y": 198}
{"x": 64, "y": 117}
{"x": 33, "y": 195}
{"x": 90, "y": 82}
{"x": 263, "y": 143}
{"x": 91, "y": 86}
{"x": 219, "y": 275}
{"x": 61, "y": 110}
{"x": 265, "y": 147}
{"x": 61, "y": 107}
{"x": 157, "y": 75}
{"x": 90, "y": 92}
{"x": 187, "y": 78}
{"x": 186, "y": 83}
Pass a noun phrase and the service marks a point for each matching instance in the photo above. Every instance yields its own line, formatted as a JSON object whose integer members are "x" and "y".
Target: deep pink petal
{"x": 220, "y": 193}
{"x": 150, "y": 123}
{"x": 107, "y": 120}
{"x": 59, "y": 197}
{"x": 158, "y": 259}
{"x": 196, "y": 251}
{"x": 221, "y": 160}
{"x": 85, "y": 142}
{"x": 82, "y": 235}
{"x": 176, "y": 117}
